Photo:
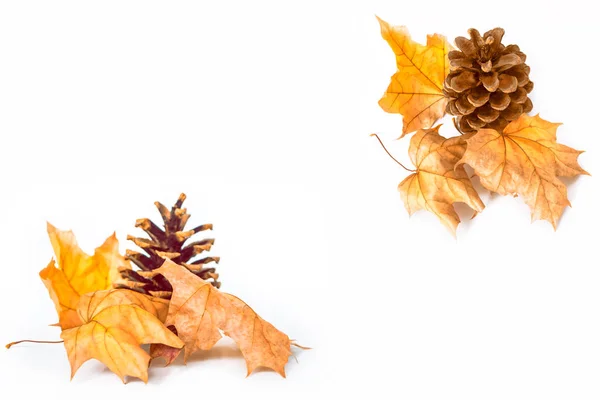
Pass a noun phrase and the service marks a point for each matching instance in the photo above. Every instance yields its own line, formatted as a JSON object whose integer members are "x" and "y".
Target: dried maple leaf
{"x": 416, "y": 88}
{"x": 199, "y": 311}
{"x": 114, "y": 325}
{"x": 438, "y": 182}
{"x": 78, "y": 273}
{"x": 260, "y": 342}
{"x": 526, "y": 160}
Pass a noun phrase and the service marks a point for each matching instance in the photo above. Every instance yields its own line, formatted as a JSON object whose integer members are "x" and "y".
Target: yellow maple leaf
{"x": 78, "y": 273}
{"x": 114, "y": 323}
{"x": 198, "y": 311}
{"x": 525, "y": 160}
{"x": 438, "y": 182}
{"x": 416, "y": 88}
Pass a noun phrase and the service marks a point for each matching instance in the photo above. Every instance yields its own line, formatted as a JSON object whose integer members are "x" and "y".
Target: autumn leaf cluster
{"x": 110, "y": 325}
{"x": 522, "y": 159}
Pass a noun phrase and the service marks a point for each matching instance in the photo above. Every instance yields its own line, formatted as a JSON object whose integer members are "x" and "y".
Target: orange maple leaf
{"x": 114, "y": 323}
{"x": 525, "y": 160}
{"x": 416, "y": 88}
{"x": 198, "y": 312}
{"x": 438, "y": 182}
{"x": 78, "y": 273}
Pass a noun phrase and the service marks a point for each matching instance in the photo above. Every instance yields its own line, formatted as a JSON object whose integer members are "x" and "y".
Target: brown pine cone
{"x": 170, "y": 243}
{"x": 488, "y": 83}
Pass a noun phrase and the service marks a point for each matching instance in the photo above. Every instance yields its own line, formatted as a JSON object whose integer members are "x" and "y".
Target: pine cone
{"x": 488, "y": 83}
{"x": 169, "y": 243}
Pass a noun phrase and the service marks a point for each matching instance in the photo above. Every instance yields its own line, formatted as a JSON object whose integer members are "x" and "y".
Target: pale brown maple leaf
{"x": 438, "y": 182}
{"x": 198, "y": 311}
{"x": 525, "y": 160}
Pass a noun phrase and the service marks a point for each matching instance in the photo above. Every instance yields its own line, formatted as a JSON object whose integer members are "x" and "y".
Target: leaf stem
{"x": 391, "y": 156}
{"x": 300, "y": 347}
{"x": 8, "y": 346}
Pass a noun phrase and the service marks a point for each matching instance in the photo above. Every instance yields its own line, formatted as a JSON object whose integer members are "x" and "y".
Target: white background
{"x": 261, "y": 113}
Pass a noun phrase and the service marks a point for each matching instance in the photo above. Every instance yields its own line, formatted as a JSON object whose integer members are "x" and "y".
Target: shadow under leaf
{"x": 220, "y": 351}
